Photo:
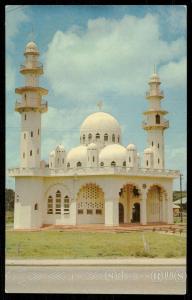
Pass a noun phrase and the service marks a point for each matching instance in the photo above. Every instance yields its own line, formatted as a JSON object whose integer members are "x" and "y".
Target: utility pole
{"x": 181, "y": 206}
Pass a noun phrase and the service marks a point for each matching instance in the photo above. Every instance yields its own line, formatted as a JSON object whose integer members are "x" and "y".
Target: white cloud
{"x": 15, "y": 17}
{"x": 110, "y": 56}
{"x": 10, "y": 75}
{"x": 174, "y": 74}
{"x": 13, "y": 20}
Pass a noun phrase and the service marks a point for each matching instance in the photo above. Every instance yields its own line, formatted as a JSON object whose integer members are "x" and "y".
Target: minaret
{"x": 30, "y": 106}
{"x": 155, "y": 123}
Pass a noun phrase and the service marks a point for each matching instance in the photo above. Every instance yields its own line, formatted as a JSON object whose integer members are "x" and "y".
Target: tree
{"x": 9, "y": 199}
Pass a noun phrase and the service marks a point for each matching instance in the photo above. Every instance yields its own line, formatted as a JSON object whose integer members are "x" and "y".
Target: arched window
{"x": 36, "y": 206}
{"x": 58, "y": 160}
{"x": 31, "y": 153}
{"x": 158, "y": 145}
{"x": 102, "y": 164}
{"x": 89, "y": 137}
{"x": 83, "y": 138}
{"x": 25, "y": 96}
{"x": 51, "y": 164}
{"x": 97, "y": 136}
{"x": 66, "y": 205}
{"x": 23, "y": 154}
{"x": 63, "y": 160}
{"x": 113, "y": 138}
{"x": 93, "y": 158}
{"x": 152, "y": 143}
{"x": 158, "y": 160}
{"x": 68, "y": 165}
{"x": 25, "y": 117}
{"x": 129, "y": 159}
{"x": 58, "y": 203}
{"x": 78, "y": 164}
{"x": 31, "y": 133}
{"x": 24, "y": 135}
{"x": 50, "y": 205}
{"x": 147, "y": 162}
{"x": 38, "y": 132}
{"x": 157, "y": 118}
{"x": 113, "y": 163}
{"x": 105, "y": 137}
{"x": 38, "y": 151}
{"x": 124, "y": 164}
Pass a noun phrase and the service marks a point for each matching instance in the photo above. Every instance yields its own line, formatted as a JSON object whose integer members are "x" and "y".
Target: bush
{"x": 143, "y": 253}
{"x": 169, "y": 254}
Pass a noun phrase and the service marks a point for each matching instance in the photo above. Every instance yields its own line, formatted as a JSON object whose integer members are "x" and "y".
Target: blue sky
{"x": 99, "y": 52}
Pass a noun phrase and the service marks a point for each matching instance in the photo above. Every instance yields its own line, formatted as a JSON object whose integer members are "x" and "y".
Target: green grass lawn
{"x": 60, "y": 244}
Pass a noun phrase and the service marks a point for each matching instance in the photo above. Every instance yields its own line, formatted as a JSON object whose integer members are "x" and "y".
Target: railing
{"x": 84, "y": 171}
{"x": 37, "y": 65}
{"x": 24, "y": 104}
{"x": 164, "y": 124}
{"x": 154, "y": 93}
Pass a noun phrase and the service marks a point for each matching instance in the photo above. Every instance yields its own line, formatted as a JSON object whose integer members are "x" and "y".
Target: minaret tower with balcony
{"x": 30, "y": 106}
{"x": 155, "y": 124}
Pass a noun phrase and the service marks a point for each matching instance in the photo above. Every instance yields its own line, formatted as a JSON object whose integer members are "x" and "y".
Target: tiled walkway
{"x": 120, "y": 228}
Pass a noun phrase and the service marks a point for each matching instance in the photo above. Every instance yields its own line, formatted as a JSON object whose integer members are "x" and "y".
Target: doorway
{"x": 121, "y": 213}
{"x": 136, "y": 213}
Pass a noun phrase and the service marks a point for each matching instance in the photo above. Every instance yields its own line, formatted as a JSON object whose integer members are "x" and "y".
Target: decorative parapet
{"x": 147, "y": 125}
{"x": 25, "y": 105}
{"x": 37, "y": 67}
{"x": 154, "y": 94}
{"x": 121, "y": 171}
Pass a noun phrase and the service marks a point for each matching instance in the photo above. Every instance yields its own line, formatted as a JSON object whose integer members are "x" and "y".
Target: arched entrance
{"x": 90, "y": 205}
{"x": 121, "y": 213}
{"x": 156, "y": 205}
{"x": 136, "y": 213}
{"x": 129, "y": 195}
{"x": 57, "y": 205}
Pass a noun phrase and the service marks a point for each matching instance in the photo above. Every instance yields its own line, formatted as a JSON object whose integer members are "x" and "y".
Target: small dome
{"x": 52, "y": 153}
{"x": 113, "y": 152}
{"x": 131, "y": 147}
{"x": 60, "y": 148}
{"x": 31, "y": 47}
{"x": 148, "y": 151}
{"x": 77, "y": 154}
{"x": 154, "y": 78}
{"x": 92, "y": 146}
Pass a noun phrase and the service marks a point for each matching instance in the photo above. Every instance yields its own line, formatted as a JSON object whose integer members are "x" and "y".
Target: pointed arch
{"x": 157, "y": 204}
{"x": 90, "y": 204}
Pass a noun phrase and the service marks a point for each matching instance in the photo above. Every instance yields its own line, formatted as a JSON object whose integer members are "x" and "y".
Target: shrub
{"x": 169, "y": 254}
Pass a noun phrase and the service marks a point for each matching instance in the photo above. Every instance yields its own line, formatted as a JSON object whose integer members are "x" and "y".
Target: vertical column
{"x": 74, "y": 187}
{"x": 144, "y": 208}
{"x": 163, "y": 208}
{"x": 111, "y": 210}
{"x": 170, "y": 207}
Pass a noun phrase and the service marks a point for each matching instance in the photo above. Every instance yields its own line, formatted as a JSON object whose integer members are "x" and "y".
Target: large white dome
{"x": 113, "y": 153}
{"x": 100, "y": 128}
{"x": 100, "y": 121}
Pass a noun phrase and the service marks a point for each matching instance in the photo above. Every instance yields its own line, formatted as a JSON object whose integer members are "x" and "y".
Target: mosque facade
{"x": 98, "y": 182}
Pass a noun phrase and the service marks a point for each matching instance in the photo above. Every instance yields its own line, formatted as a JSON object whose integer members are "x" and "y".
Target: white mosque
{"x": 98, "y": 182}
